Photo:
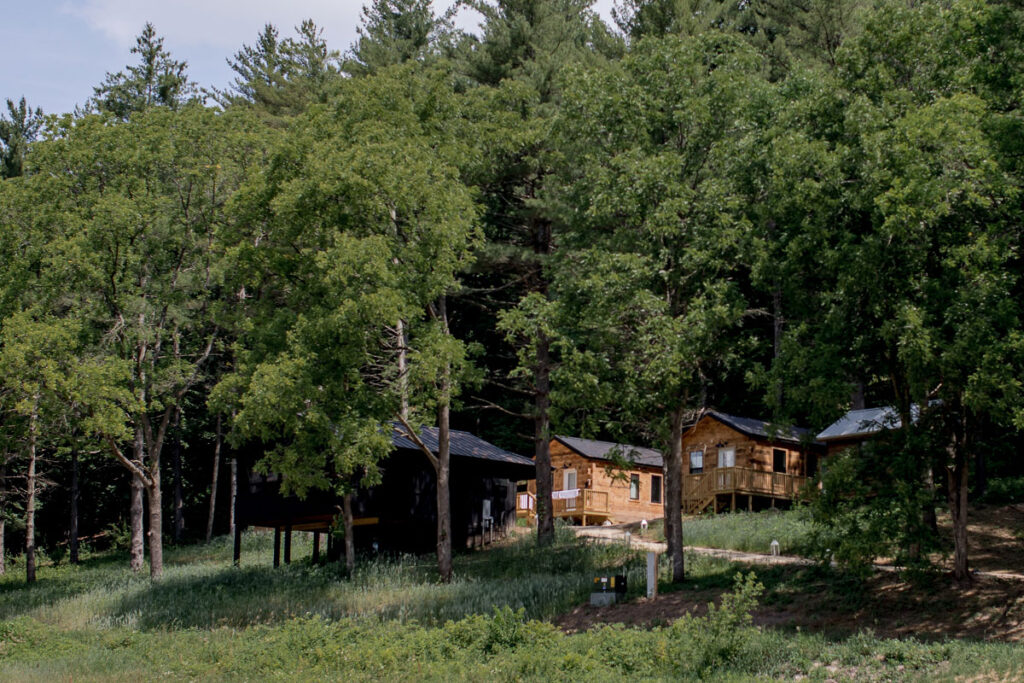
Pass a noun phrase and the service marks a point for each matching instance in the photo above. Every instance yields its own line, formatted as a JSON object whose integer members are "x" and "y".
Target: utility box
{"x": 608, "y": 590}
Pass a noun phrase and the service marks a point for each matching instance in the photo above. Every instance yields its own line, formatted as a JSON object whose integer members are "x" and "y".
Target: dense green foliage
{"x": 754, "y": 207}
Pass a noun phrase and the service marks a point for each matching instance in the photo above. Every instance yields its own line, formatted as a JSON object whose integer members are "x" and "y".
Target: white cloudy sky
{"x": 55, "y": 51}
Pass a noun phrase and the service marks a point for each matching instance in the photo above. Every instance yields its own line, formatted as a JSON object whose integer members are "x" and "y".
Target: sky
{"x": 56, "y": 51}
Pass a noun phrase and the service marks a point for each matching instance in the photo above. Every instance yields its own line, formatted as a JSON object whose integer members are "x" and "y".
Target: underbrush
{"x": 501, "y": 645}
{"x": 393, "y": 620}
{"x": 200, "y": 588}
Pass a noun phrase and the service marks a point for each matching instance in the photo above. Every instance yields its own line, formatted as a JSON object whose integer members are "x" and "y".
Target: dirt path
{"x": 995, "y": 542}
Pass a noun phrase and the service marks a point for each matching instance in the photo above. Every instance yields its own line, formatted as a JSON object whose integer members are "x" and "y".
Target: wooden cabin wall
{"x": 594, "y": 474}
{"x": 757, "y": 454}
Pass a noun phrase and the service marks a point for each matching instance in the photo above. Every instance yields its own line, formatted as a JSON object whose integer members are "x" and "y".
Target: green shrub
{"x": 717, "y": 640}
{"x": 1004, "y": 491}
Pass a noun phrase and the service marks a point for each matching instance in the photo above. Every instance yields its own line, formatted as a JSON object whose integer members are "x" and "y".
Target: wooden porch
{"x": 586, "y": 506}
{"x": 724, "y": 484}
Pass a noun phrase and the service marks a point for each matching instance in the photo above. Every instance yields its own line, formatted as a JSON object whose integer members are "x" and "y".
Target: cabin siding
{"x": 600, "y": 475}
{"x": 759, "y": 454}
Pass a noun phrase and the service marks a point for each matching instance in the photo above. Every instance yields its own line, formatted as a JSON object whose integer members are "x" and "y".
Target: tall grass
{"x": 392, "y": 620}
{"x": 750, "y": 532}
{"x": 200, "y": 589}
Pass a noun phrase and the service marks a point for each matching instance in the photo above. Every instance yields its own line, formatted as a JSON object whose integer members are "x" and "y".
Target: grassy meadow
{"x": 207, "y": 620}
{"x": 750, "y": 532}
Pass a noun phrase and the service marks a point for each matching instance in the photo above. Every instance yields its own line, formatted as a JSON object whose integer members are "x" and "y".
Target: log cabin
{"x": 729, "y": 460}
{"x": 590, "y": 487}
{"x": 400, "y": 513}
{"x": 857, "y": 426}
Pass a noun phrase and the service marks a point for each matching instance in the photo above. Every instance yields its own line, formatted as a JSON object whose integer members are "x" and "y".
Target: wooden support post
{"x": 288, "y": 544}
{"x": 277, "y": 546}
{"x": 237, "y": 551}
{"x": 316, "y": 547}
{"x": 750, "y": 502}
{"x": 733, "y": 502}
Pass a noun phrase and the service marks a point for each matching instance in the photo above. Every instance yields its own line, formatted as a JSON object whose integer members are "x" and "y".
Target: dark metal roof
{"x": 461, "y": 444}
{"x": 602, "y": 450}
{"x": 760, "y": 428}
{"x": 865, "y": 423}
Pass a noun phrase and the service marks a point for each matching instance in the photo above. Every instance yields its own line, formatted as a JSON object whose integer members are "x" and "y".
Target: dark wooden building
{"x": 400, "y": 513}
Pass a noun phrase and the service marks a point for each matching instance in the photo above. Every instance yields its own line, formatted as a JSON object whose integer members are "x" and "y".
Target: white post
{"x": 652, "y": 574}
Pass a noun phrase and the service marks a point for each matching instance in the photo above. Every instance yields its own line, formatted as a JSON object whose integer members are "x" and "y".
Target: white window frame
{"x": 727, "y": 457}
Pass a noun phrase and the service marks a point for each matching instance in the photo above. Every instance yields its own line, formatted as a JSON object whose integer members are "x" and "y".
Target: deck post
{"x": 237, "y": 550}
{"x": 316, "y": 547}
{"x": 733, "y": 502}
{"x": 277, "y": 546}
{"x": 288, "y": 544}
{"x": 750, "y": 502}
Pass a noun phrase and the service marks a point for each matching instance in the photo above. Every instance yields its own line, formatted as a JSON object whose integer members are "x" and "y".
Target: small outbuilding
{"x": 400, "y": 513}
{"x": 857, "y": 426}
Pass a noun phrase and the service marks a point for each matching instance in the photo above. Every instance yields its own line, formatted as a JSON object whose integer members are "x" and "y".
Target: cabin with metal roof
{"x": 601, "y": 481}
{"x": 856, "y": 426}
{"x": 400, "y": 513}
{"x": 730, "y": 460}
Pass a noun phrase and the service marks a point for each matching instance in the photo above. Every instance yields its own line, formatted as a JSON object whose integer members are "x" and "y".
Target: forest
{"x": 553, "y": 224}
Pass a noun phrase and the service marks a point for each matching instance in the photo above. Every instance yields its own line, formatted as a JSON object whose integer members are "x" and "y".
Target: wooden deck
{"x": 587, "y": 506}
{"x": 701, "y": 491}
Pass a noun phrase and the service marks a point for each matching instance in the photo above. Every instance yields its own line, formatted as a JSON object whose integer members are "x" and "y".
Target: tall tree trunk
{"x": 3, "y": 516}
{"x": 403, "y": 369}
{"x": 73, "y": 522}
{"x": 444, "y": 509}
{"x": 213, "y": 485}
{"x": 30, "y": 493}
{"x": 542, "y": 443}
{"x": 956, "y": 475}
{"x": 234, "y": 494}
{"x": 444, "y": 519}
{"x": 350, "y": 541}
{"x": 674, "y": 497}
{"x": 777, "y": 322}
{"x": 137, "y": 547}
{"x": 155, "y": 496}
{"x": 179, "y": 504}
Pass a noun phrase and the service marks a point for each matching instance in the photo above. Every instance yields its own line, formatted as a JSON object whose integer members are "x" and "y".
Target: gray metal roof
{"x": 461, "y": 444}
{"x": 754, "y": 427}
{"x": 865, "y": 423}
{"x": 603, "y": 450}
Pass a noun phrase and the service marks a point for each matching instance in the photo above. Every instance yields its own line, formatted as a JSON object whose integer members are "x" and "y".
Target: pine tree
{"x": 156, "y": 80}
{"x": 17, "y": 130}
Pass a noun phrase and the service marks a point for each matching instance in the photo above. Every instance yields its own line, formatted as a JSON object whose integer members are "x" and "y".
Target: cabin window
{"x": 778, "y": 460}
{"x": 727, "y": 457}
{"x": 655, "y": 488}
{"x": 696, "y": 462}
{"x": 634, "y": 487}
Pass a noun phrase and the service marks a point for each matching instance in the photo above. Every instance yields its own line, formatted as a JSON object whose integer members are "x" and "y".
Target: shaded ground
{"x": 800, "y": 597}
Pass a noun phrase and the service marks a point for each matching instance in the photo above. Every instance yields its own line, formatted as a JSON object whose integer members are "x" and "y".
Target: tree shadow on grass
{"x": 54, "y": 584}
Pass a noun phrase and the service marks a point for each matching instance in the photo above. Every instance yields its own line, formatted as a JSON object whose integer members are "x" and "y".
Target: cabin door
{"x": 568, "y": 484}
